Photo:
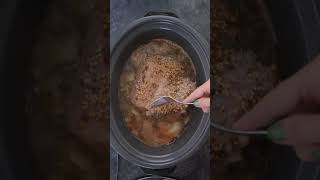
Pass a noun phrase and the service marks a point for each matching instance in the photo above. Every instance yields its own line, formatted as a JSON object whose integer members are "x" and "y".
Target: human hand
{"x": 201, "y": 97}
{"x": 294, "y": 108}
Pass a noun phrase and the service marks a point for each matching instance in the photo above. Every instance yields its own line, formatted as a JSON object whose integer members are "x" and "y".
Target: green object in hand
{"x": 276, "y": 132}
{"x": 196, "y": 103}
{"x": 316, "y": 155}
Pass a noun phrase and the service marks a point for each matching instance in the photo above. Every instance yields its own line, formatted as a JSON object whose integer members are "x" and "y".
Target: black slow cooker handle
{"x": 158, "y": 172}
{"x": 161, "y": 12}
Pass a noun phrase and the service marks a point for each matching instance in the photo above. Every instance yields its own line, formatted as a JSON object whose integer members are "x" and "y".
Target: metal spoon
{"x": 166, "y": 99}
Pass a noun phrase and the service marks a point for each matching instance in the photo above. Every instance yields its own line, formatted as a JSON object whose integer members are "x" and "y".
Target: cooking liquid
{"x": 159, "y": 67}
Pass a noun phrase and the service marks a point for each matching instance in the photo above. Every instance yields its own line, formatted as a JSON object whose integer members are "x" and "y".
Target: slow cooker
{"x": 167, "y": 26}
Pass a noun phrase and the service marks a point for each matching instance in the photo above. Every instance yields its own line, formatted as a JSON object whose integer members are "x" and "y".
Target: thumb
{"x": 307, "y": 152}
{"x": 277, "y": 104}
{"x": 203, "y": 90}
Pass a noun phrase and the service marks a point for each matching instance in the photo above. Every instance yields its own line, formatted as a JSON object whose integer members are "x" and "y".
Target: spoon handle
{"x": 188, "y": 103}
{"x": 237, "y": 132}
{"x": 180, "y": 102}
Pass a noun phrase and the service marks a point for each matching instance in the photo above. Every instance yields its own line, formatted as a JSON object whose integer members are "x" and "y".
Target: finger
{"x": 203, "y": 90}
{"x": 277, "y": 104}
{"x": 203, "y": 103}
{"x": 206, "y": 110}
{"x": 304, "y": 152}
{"x": 284, "y": 98}
{"x": 303, "y": 128}
{"x": 296, "y": 129}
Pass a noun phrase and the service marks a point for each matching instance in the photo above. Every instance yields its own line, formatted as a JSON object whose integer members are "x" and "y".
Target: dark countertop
{"x": 195, "y": 12}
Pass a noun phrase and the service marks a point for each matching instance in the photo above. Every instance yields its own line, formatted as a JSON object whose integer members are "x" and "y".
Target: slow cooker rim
{"x": 156, "y": 163}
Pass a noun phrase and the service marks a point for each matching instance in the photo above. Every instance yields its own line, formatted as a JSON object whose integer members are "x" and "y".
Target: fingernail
{"x": 196, "y": 103}
{"x": 316, "y": 155}
{"x": 276, "y": 133}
